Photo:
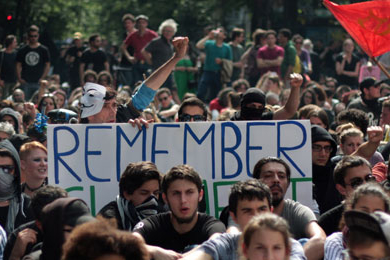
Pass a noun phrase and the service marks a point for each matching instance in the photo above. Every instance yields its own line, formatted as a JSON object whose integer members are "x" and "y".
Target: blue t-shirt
{"x": 213, "y": 51}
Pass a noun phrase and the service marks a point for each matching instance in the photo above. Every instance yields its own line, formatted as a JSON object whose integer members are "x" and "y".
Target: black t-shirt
{"x": 94, "y": 60}
{"x": 72, "y": 51}
{"x": 8, "y": 66}
{"x": 330, "y": 220}
{"x": 33, "y": 62}
{"x": 161, "y": 50}
{"x": 344, "y": 79}
{"x": 159, "y": 231}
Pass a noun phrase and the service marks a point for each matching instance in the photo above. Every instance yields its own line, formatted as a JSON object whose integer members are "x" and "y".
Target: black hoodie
{"x": 324, "y": 188}
{"x": 23, "y": 211}
{"x": 12, "y": 113}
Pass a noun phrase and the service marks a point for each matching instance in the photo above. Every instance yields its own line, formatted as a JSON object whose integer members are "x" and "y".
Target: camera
{"x": 61, "y": 116}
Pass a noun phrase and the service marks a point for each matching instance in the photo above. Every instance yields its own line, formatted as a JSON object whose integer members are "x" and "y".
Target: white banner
{"x": 87, "y": 160}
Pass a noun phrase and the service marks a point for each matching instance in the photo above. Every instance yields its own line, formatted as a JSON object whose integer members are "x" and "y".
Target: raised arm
{"x": 159, "y": 76}
{"x": 289, "y": 109}
{"x": 367, "y": 149}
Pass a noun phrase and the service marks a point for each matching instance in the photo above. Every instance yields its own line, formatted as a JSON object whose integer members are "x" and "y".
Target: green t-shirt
{"x": 289, "y": 57}
{"x": 213, "y": 51}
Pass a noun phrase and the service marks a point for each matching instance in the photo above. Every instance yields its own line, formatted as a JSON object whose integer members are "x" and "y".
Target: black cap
{"x": 76, "y": 213}
{"x": 368, "y": 82}
{"x": 377, "y": 223}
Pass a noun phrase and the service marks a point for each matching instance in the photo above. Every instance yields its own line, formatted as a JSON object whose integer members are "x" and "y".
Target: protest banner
{"x": 88, "y": 160}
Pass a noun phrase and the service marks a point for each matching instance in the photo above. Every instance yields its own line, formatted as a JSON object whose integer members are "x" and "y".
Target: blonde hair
{"x": 26, "y": 149}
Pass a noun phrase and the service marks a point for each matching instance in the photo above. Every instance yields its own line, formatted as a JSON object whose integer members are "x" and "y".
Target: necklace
{"x": 32, "y": 189}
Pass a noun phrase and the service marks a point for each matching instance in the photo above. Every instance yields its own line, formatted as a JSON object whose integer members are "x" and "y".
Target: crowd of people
{"x": 156, "y": 77}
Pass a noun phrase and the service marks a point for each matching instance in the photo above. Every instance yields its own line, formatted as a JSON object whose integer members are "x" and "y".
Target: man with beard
{"x": 368, "y": 100}
{"x": 275, "y": 173}
{"x": 182, "y": 227}
{"x": 253, "y": 103}
{"x": 139, "y": 189}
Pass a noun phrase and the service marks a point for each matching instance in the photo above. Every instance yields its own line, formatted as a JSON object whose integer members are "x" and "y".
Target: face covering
{"x": 148, "y": 207}
{"x": 7, "y": 186}
{"x": 251, "y": 113}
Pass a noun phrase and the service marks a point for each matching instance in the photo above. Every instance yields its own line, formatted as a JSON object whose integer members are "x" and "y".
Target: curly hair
{"x": 99, "y": 238}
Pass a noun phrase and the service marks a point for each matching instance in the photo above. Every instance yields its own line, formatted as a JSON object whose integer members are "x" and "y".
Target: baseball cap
{"x": 368, "y": 82}
{"x": 92, "y": 100}
{"x": 142, "y": 16}
{"x": 377, "y": 223}
{"x": 77, "y": 213}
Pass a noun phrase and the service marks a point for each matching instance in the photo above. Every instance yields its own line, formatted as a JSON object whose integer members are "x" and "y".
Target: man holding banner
{"x": 98, "y": 104}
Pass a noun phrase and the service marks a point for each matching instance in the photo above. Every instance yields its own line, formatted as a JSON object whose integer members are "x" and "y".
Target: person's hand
{"x": 163, "y": 254}
{"x": 29, "y": 108}
{"x": 218, "y": 60}
{"x": 22, "y": 81}
{"x": 375, "y": 134}
{"x": 296, "y": 80}
{"x": 180, "y": 44}
{"x": 79, "y": 54}
{"x": 132, "y": 59}
{"x": 25, "y": 237}
{"x": 140, "y": 122}
{"x": 43, "y": 83}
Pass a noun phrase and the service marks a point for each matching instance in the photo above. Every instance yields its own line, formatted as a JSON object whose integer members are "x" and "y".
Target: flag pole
{"x": 381, "y": 67}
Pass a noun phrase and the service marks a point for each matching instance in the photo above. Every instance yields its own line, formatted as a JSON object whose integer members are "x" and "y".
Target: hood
{"x": 62, "y": 211}
{"x": 10, "y": 112}
{"x": 320, "y": 134}
{"x": 7, "y": 145}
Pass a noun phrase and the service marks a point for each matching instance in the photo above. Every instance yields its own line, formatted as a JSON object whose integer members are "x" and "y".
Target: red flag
{"x": 367, "y": 22}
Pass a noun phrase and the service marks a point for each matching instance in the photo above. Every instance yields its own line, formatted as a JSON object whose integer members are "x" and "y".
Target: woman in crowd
{"x": 46, "y": 104}
{"x": 270, "y": 82}
{"x": 369, "y": 197}
{"x": 266, "y": 237}
{"x": 308, "y": 97}
{"x": 33, "y": 160}
{"x": 60, "y": 98}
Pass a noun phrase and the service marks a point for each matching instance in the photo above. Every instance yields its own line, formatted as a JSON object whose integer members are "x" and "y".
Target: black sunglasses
{"x": 357, "y": 181}
{"x": 162, "y": 99}
{"x": 33, "y": 35}
{"x": 187, "y": 118}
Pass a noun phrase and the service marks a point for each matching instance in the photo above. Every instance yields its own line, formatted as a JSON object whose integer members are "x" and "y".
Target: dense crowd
{"x": 156, "y": 77}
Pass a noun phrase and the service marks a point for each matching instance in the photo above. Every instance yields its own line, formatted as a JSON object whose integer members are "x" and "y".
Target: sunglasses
{"x": 33, "y": 35}
{"x": 319, "y": 148}
{"x": 187, "y": 118}
{"x": 357, "y": 181}
{"x": 298, "y": 42}
{"x": 7, "y": 168}
{"x": 162, "y": 99}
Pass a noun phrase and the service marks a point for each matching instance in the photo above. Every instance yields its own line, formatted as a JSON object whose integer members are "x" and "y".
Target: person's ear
{"x": 22, "y": 165}
{"x": 127, "y": 196}
{"x": 341, "y": 189}
{"x": 164, "y": 196}
{"x": 201, "y": 195}
{"x": 233, "y": 216}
